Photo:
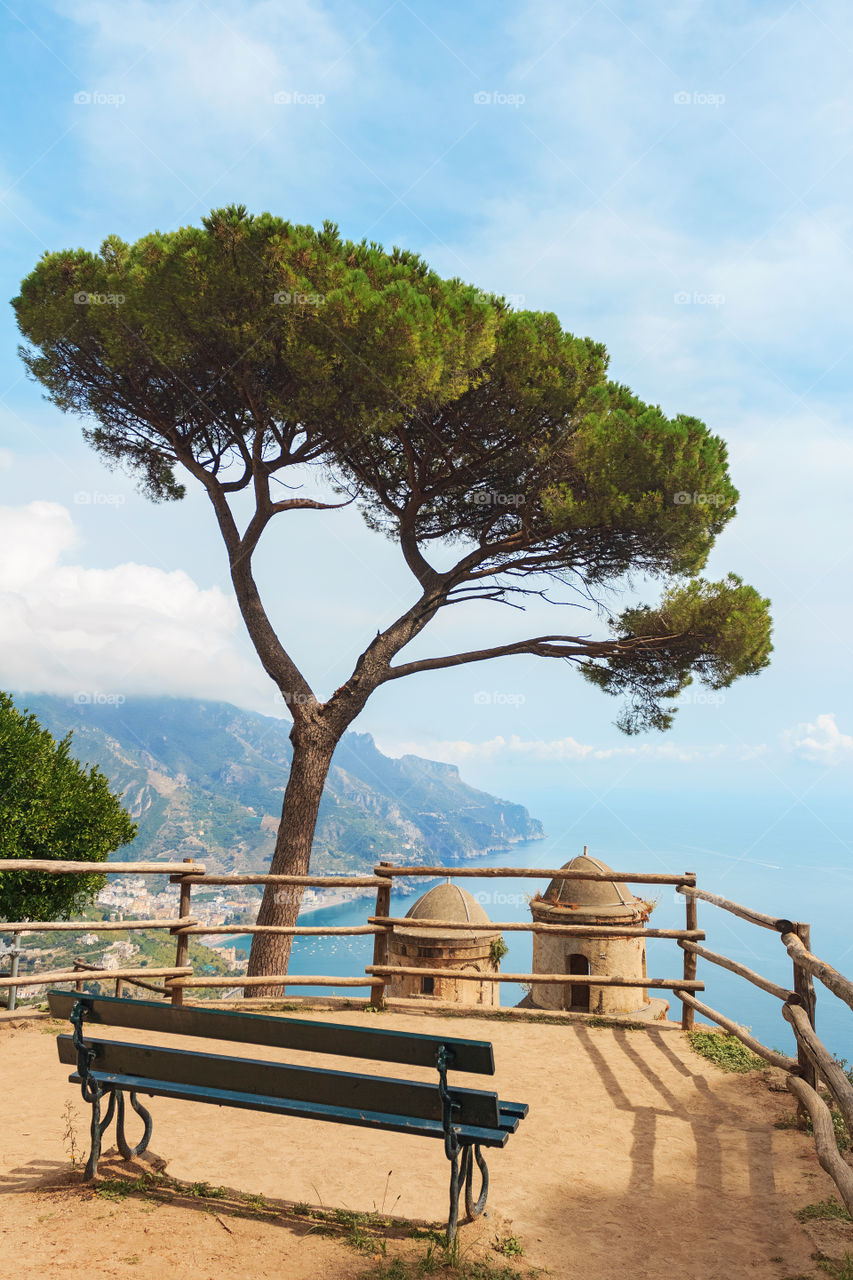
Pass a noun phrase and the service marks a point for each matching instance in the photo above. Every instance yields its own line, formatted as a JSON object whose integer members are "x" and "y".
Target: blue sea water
{"x": 787, "y": 860}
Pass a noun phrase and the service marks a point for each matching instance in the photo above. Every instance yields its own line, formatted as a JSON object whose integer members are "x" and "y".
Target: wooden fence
{"x": 803, "y": 1073}
{"x": 814, "y": 1063}
{"x": 189, "y": 875}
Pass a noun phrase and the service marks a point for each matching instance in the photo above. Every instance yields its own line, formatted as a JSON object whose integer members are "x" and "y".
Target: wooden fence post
{"x": 182, "y": 949}
{"x": 687, "y": 1013}
{"x": 804, "y": 987}
{"x": 380, "y": 940}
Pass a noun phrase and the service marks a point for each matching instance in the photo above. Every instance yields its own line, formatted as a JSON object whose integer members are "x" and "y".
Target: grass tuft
{"x": 449, "y": 1263}
{"x": 509, "y": 1246}
{"x": 837, "y": 1268}
{"x": 842, "y": 1137}
{"x": 725, "y": 1051}
{"x": 204, "y": 1191}
{"x": 824, "y": 1211}
{"x": 116, "y": 1188}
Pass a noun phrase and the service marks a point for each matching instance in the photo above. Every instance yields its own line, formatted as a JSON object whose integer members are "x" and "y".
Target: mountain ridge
{"x": 206, "y": 779}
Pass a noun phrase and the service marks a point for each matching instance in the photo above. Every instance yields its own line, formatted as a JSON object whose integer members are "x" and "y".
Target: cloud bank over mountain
{"x": 110, "y": 633}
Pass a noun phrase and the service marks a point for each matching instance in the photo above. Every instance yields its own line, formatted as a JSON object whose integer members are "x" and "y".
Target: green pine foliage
{"x": 195, "y": 335}
{"x": 717, "y": 631}
{"x": 236, "y": 349}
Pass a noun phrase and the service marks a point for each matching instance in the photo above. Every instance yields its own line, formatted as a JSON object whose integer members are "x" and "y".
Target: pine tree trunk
{"x": 312, "y": 756}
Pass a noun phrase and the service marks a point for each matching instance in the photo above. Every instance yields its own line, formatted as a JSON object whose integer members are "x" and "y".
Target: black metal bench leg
{"x": 94, "y": 1096}
{"x": 472, "y": 1208}
{"x": 455, "y": 1188}
{"x": 124, "y": 1147}
{"x": 463, "y": 1176}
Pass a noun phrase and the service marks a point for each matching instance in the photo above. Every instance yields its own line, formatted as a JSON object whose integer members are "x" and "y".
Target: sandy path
{"x": 637, "y": 1157}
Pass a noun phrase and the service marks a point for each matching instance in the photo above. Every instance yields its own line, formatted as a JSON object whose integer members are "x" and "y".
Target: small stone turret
{"x": 589, "y": 902}
{"x": 463, "y": 953}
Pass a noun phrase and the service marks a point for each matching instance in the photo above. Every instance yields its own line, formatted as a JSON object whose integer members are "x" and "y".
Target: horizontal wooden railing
{"x": 803, "y": 959}
{"x": 181, "y": 975}
{"x": 514, "y": 926}
{"x": 585, "y": 980}
{"x": 388, "y": 872}
{"x": 814, "y": 1063}
{"x": 273, "y": 980}
{"x": 95, "y": 975}
{"x": 198, "y": 876}
{"x": 734, "y": 1028}
{"x": 69, "y": 868}
{"x": 95, "y": 926}
{"x": 86, "y": 968}
{"x": 535, "y": 873}
{"x": 188, "y": 875}
{"x": 331, "y": 931}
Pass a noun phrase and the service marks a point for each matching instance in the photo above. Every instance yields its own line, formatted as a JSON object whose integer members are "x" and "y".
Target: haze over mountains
{"x": 206, "y": 779}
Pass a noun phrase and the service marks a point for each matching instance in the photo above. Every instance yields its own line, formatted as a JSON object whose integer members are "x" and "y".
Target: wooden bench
{"x": 465, "y": 1119}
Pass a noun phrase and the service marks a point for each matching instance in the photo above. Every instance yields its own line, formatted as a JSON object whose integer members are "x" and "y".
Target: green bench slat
{"x": 510, "y": 1119}
{"x": 412, "y": 1048}
{"x": 420, "y": 1127}
{"x": 378, "y": 1094}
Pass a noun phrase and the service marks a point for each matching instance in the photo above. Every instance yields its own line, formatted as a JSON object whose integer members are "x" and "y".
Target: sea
{"x": 788, "y": 860}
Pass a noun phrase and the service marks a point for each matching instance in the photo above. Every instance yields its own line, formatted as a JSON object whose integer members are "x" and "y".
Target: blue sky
{"x": 673, "y": 180}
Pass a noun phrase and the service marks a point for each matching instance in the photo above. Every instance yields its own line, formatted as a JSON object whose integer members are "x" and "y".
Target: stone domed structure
{"x": 590, "y": 902}
{"x": 463, "y": 953}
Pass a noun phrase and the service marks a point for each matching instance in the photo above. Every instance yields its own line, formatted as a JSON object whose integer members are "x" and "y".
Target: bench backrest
{"x": 206, "y": 1071}
{"x": 281, "y": 1033}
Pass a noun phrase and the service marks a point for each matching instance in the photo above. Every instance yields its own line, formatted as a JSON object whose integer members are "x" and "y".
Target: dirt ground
{"x": 638, "y": 1158}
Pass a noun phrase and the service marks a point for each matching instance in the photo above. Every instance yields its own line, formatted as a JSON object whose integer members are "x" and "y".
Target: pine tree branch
{"x": 575, "y": 648}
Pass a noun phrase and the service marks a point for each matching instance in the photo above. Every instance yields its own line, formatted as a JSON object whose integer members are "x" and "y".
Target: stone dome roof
{"x": 590, "y": 897}
{"x": 448, "y": 902}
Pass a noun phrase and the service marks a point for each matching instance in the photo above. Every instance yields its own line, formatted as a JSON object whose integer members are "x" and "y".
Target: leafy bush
{"x": 51, "y": 807}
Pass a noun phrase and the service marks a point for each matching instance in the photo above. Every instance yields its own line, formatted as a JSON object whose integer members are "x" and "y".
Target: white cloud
{"x": 821, "y": 742}
{"x": 131, "y": 629}
{"x": 563, "y": 751}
